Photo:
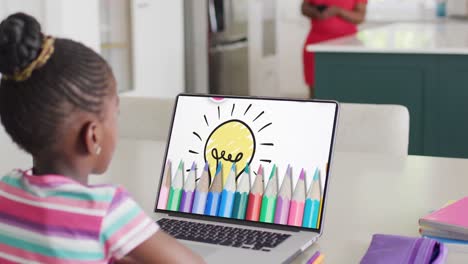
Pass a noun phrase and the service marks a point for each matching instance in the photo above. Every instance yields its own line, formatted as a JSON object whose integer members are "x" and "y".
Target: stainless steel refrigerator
{"x": 228, "y": 47}
{"x": 216, "y": 46}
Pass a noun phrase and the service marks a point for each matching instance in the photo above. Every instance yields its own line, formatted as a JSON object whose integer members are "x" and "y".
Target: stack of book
{"x": 448, "y": 224}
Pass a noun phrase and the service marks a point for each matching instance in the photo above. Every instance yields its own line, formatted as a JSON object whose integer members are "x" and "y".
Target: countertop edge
{"x": 320, "y": 48}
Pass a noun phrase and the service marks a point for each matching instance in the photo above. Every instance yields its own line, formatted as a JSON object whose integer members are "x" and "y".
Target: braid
{"x": 74, "y": 78}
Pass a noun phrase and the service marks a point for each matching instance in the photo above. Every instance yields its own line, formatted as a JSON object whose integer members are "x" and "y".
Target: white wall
{"x": 292, "y": 31}
{"x": 77, "y": 20}
{"x": 116, "y": 46}
{"x": 157, "y": 32}
{"x": 263, "y": 68}
{"x": 32, "y": 7}
{"x": 158, "y": 48}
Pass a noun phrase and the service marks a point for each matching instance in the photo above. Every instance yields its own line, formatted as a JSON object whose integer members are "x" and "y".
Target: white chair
{"x": 145, "y": 118}
{"x": 382, "y": 129}
{"x": 11, "y": 156}
{"x": 143, "y": 130}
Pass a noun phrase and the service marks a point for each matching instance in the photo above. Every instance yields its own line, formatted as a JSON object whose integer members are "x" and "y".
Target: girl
{"x": 329, "y": 19}
{"x": 59, "y": 103}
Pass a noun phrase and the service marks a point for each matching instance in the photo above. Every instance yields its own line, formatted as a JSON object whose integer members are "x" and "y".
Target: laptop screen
{"x": 249, "y": 159}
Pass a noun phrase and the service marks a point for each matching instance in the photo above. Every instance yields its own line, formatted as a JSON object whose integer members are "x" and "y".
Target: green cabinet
{"x": 434, "y": 88}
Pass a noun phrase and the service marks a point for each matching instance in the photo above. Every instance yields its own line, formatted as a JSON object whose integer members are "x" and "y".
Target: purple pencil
{"x": 314, "y": 257}
{"x": 186, "y": 201}
{"x": 284, "y": 199}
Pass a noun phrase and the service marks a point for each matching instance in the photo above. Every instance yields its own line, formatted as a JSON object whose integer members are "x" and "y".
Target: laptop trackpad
{"x": 203, "y": 251}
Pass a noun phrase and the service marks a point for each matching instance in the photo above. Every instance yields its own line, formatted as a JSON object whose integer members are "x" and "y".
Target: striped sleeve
{"x": 125, "y": 226}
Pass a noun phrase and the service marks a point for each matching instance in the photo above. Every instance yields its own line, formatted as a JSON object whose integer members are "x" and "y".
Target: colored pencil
{"x": 175, "y": 193}
{"x": 201, "y": 193}
{"x": 186, "y": 201}
{"x": 319, "y": 260}
{"x": 296, "y": 210}
{"x": 312, "y": 203}
{"x": 212, "y": 200}
{"x": 241, "y": 197}
{"x": 255, "y": 197}
{"x": 227, "y": 195}
{"x": 314, "y": 257}
{"x": 284, "y": 199}
{"x": 165, "y": 187}
{"x": 267, "y": 213}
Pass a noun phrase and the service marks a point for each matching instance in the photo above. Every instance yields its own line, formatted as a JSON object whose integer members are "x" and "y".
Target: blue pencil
{"x": 312, "y": 203}
{"x": 227, "y": 196}
{"x": 212, "y": 201}
{"x": 201, "y": 193}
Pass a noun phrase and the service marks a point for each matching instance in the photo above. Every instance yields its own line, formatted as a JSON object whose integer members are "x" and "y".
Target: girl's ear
{"x": 93, "y": 138}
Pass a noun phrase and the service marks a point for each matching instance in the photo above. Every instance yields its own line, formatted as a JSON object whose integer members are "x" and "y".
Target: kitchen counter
{"x": 415, "y": 38}
{"x": 421, "y": 66}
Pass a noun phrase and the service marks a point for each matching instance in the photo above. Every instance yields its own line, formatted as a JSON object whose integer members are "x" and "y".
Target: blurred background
{"x": 161, "y": 48}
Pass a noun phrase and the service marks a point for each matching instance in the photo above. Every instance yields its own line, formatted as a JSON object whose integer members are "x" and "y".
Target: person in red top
{"x": 329, "y": 19}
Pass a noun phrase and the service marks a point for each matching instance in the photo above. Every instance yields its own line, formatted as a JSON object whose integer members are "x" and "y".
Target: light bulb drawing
{"x": 232, "y": 137}
{"x": 231, "y": 142}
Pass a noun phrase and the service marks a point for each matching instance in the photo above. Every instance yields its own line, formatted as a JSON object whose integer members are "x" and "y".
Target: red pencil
{"x": 255, "y": 198}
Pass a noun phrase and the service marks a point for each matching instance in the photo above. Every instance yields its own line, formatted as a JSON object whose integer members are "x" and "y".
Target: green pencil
{"x": 267, "y": 214}
{"x": 175, "y": 193}
{"x": 241, "y": 197}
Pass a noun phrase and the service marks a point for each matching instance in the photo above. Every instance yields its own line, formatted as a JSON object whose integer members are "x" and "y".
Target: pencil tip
{"x": 233, "y": 167}
{"x": 273, "y": 171}
{"x": 207, "y": 166}
{"x": 219, "y": 168}
{"x": 247, "y": 169}
{"x": 193, "y": 166}
{"x": 316, "y": 174}
{"x": 302, "y": 176}
{"x": 181, "y": 165}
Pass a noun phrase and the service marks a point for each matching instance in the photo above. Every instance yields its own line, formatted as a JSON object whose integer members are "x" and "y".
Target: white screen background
{"x": 300, "y": 131}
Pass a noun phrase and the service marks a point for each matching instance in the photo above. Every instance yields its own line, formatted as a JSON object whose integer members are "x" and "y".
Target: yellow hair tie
{"x": 44, "y": 56}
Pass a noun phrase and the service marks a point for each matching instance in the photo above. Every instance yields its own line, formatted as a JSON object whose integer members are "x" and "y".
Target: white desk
{"x": 378, "y": 194}
{"x": 368, "y": 194}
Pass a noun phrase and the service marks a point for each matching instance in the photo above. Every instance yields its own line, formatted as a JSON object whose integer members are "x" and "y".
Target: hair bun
{"x": 20, "y": 42}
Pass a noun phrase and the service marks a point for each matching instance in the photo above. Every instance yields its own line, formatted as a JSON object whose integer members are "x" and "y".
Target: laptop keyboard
{"x": 222, "y": 235}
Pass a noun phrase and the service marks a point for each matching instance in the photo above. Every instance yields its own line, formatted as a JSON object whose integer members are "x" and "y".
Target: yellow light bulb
{"x": 231, "y": 142}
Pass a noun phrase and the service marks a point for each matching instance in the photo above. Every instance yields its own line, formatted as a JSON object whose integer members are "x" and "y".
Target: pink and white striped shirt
{"x": 54, "y": 219}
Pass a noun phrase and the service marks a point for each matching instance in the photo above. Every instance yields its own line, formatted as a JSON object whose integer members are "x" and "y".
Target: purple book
{"x": 386, "y": 249}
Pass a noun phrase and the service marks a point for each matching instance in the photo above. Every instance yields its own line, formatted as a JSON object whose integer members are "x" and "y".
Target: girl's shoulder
{"x": 60, "y": 189}
{"x": 11, "y": 176}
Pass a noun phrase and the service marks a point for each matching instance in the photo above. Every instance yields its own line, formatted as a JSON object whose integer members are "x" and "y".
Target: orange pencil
{"x": 255, "y": 198}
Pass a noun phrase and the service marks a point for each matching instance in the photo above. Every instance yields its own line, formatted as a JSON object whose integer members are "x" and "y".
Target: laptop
{"x": 245, "y": 179}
